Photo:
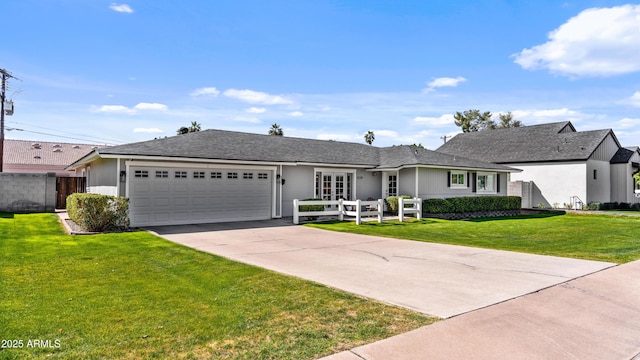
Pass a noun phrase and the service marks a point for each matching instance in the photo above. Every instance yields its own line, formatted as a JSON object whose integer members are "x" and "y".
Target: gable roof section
{"x": 536, "y": 143}
{"x": 407, "y": 156}
{"x": 39, "y": 153}
{"x": 238, "y": 146}
{"x": 624, "y": 155}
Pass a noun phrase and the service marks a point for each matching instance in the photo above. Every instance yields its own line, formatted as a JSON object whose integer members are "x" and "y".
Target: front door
{"x": 335, "y": 186}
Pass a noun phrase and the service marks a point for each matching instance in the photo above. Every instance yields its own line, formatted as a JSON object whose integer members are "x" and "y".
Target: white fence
{"x": 356, "y": 208}
{"x": 342, "y": 208}
{"x": 415, "y": 208}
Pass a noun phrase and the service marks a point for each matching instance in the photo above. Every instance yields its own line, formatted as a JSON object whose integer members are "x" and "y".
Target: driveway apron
{"x": 435, "y": 279}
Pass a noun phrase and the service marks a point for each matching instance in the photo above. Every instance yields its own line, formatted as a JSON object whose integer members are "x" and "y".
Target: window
{"x": 458, "y": 179}
{"x": 263, "y": 176}
{"x": 232, "y": 175}
{"x": 141, "y": 174}
{"x": 486, "y": 182}
{"x": 392, "y": 187}
{"x": 180, "y": 174}
{"x": 162, "y": 174}
{"x": 247, "y": 175}
{"x": 216, "y": 175}
{"x": 595, "y": 174}
{"x": 198, "y": 174}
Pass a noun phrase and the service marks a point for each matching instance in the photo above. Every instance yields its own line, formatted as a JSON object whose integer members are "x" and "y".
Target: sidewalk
{"x": 593, "y": 317}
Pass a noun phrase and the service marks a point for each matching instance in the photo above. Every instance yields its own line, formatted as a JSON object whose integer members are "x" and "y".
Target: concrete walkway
{"x": 594, "y": 317}
{"x": 435, "y": 279}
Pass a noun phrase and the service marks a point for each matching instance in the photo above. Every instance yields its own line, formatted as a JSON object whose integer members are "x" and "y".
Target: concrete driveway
{"x": 435, "y": 279}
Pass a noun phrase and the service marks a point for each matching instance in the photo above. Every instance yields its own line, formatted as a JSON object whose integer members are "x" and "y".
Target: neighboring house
{"x": 214, "y": 175}
{"x": 563, "y": 166}
{"x": 23, "y": 156}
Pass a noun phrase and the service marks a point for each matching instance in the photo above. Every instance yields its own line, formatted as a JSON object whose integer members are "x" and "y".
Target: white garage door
{"x": 170, "y": 196}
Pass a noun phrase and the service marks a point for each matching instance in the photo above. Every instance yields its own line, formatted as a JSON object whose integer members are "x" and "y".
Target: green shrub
{"x": 436, "y": 206}
{"x": 392, "y": 202}
{"x": 305, "y": 208}
{"x": 94, "y": 212}
{"x": 471, "y": 204}
{"x": 592, "y": 206}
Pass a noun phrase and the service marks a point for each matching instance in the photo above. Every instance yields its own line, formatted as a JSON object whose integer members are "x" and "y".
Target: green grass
{"x": 592, "y": 237}
{"x": 137, "y": 296}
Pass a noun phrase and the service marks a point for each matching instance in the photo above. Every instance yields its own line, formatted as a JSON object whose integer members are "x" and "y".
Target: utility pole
{"x": 5, "y": 76}
{"x": 444, "y": 137}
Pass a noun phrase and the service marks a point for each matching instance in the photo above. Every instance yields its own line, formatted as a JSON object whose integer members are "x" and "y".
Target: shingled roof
{"x": 238, "y": 146}
{"x": 623, "y": 155}
{"x": 536, "y": 143}
{"x": 25, "y": 152}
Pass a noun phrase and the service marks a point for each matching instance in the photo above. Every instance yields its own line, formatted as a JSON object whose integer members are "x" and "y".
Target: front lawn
{"x": 137, "y": 296}
{"x": 592, "y": 237}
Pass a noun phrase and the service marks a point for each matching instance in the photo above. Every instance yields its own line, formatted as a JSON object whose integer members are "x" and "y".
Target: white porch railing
{"x": 356, "y": 208}
{"x": 416, "y": 208}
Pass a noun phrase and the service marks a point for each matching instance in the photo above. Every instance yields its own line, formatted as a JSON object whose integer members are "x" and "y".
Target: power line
{"x": 101, "y": 139}
{"x": 54, "y": 135}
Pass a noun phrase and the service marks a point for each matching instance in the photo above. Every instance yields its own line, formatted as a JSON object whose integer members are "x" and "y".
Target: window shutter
{"x": 474, "y": 182}
{"x": 498, "y": 182}
{"x": 448, "y": 178}
{"x": 468, "y": 182}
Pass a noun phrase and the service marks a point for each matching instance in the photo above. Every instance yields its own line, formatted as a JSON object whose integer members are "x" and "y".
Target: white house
{"x": 214, "y": 175}
{"x": 562, "y": 165}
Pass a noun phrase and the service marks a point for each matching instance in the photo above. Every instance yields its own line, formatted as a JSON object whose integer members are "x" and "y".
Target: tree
{"x": 507, "y": 121}
{"x": 369, "y": 137}
{"x": 194, "y": 127}
{"x": 276, "y": 130}
{"x": 473, "y": 120}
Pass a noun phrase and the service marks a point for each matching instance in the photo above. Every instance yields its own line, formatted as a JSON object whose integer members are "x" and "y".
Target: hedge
{"x": 98, "y": 213}
{"x": 471, "y": 204}
{"x": 392, "y": 202}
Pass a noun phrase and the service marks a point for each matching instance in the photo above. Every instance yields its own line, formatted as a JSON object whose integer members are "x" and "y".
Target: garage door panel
{"x": 162, "y": 198}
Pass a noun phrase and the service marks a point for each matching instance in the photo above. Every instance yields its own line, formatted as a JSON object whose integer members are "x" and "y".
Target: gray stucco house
{"x": 561, "y": 165}
{"x": 215, "y": 175}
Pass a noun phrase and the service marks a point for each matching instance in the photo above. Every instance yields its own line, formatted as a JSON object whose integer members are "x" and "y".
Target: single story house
{"x": 562, "y": 165}
{"x": 215, "y": 175}
{"x": 23, "y": 156}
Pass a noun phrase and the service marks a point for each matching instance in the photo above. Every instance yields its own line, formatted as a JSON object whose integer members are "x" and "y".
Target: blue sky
{"x": 118, "y": 72}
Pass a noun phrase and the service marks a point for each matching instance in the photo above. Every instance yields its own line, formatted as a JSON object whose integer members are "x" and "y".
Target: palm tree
{"x": 276, "y": 130}
{"x": 194, "y": 127}
{"x": 369, "y": 137}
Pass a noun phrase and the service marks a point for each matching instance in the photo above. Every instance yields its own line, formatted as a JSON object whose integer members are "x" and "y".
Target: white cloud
{"x": 596, "y": 42}
{"x": 147, "y": 130}
{"x": 122, "y": 8}
{"x": 535, "y": 116}
{"x": 443, "y": 120}
{"x": 151, "y": 106}
{"x": 115, "y": 109}
{"x": 444, "y": 82}
{"x": 628, "y": 123}
{"x": 257, "y": 97}
{"x": 209, "y": 91}
{"x": 256, "y": 110}
{"x": 125, "y": 110}
{"x": 296, "y": 114}
{"x": 633, "y": 100}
